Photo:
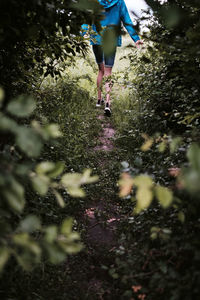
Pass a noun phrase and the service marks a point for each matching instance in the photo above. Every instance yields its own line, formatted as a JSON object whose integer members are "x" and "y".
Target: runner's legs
{"x": 108, "y": 85}
{"x": 109, "y": 63}
{"x": 105, "y": 65}
{"x": 98, "y": 53}
{"x": 99, "y": 80}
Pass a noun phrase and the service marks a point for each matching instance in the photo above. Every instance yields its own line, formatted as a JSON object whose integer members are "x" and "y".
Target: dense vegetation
{"x": 165, "y": 106}
{"x": 36, "y": 36}
{"x": 44, "y": 166}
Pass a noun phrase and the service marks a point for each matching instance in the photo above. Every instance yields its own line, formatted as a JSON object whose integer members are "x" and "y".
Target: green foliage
{"x": 73, "y": 181}
{"x": 17, "y": 238}
{"x": 39, "y": 36}
{"x": 171, "y": 73}
{"x": 146, "y": 190}
{"x": 161, "y": 113}
{"x": 191, "y": 175}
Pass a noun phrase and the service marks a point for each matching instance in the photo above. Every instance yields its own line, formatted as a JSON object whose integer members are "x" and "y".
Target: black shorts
{"x": 108, "y": 60}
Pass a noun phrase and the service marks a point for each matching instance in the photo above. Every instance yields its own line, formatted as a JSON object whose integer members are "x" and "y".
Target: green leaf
{"x": 25, "y": 260}
{"x": 109, "y": 40}
{"x": 50, "y": 169}
{"x": 164, "y": 196}
{"x": 174, "y": 144}
{"x": 166, "y": 231}
{"x": 4, "y": 256}
{"x": 71, "y": 179}
{"x": 72, "y": 182}
{"x": 23, "y": 169}
{"x": 66, "y": 227}
{"x": 191, "y": 179}
{"x": 2, "y": 95}
{"x": 144, "y": 198}
{"x": 29, "y": 256}
{"x": 162, "y": 147}
{"x": 14, "y": 194}
{"x": 154, "y": 236}
{"x": 86, "y": 178}
{"x": 24, "y": 240}
{"x": 22, "y": 106}
{"x": 171, "y": 16}
{"x": 144, "y": 193}
{"x": 68, "y": 239}
{"x": 15, "y": 202}
{"x": 30, "y": 224}
{"x": 53, "y": 131}
{"x": 70, "y": 247}
{"x": 56, "y": 255}
{"x": 193, "y": 156}
{"x": 147, "y": 144}
{"x": 143, "y": 181}
{"x": 21, "y": 239}
{"x": 7, "y": 124}
{"x": 40, "y": 184}
{"x": 155, "y": 229}
{"x": 30, "y": 252}
{"x": 113, "y": 274}
{"x": 51, "y": 233}
{"x": 76, "y": 192}
{"x": 85, "y": 5}
{"x": 59, "y": 199}
{"x": 44, "y": 167}
{"x": 29, "y": 141}
{"x": 126, "y": 184}
{"x": 57, "y": 170}
{"x": 181, "y": 217}
{"x": 2, "y": 180}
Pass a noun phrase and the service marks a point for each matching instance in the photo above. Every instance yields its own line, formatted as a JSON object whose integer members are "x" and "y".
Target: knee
{"x": 101, "y": 69}
{"x": 107, "y": 71}
{"x": 102, "y": 72}
{"x": 108, "y": 87}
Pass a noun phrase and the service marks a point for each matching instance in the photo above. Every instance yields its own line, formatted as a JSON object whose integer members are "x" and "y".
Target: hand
{"x": 139, "y": 43}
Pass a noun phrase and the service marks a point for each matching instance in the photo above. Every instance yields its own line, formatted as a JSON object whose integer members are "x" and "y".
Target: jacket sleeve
{"x": 126, "y": 19}
{"x": 85, "y": 29}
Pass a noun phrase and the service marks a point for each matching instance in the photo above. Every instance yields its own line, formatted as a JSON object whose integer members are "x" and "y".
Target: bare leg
{"x": 99, "y": 80}
{"x": 107, "y": 73}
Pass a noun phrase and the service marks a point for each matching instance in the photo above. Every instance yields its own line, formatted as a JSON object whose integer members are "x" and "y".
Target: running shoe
{"x": 107, "y": 110}
{"x": 98, "y": 104}
{"x": 102, "y": 101}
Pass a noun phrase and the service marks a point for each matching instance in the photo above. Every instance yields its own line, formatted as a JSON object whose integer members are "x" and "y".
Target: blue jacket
{"x": 115, "y": 13}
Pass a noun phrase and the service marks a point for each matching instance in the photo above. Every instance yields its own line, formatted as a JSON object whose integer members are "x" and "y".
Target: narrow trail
{"x": 102, "y": 230}
{"x": 106, "y": 137}
{"x": 101, "y": 218}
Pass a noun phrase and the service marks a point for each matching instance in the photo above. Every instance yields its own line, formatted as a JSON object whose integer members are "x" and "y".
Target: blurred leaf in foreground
{"x": 22, "y": 106}
{"x": 125, "y": 184}
{"x": 164, "y": 196}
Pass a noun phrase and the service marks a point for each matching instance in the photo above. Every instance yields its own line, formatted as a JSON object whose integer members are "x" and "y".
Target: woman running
{"x": 115, "y": 13}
